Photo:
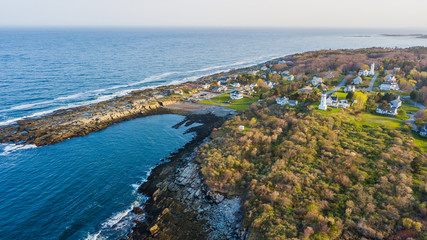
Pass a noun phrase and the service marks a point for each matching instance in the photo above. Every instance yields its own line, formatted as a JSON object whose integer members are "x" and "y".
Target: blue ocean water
{"x": 45, "y": 69}
{"x": 85, "y": 187}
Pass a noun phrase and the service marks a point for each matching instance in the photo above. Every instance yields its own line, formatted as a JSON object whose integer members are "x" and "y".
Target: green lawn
{"x": 373, "y": 119}
{"x": 409, "y": 108}
{"x": 420, "y": 142}
{"x": 340, "y": 94}
{"x": 221, "y": 98}
{"x": 238, "y": 105}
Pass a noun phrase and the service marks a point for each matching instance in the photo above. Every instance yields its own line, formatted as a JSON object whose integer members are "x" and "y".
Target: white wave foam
{"x": 9, "y": 148}
{"x": 207, "y": 71}
{"x": 70, "y": 96}
{"x": 95, "y": 236}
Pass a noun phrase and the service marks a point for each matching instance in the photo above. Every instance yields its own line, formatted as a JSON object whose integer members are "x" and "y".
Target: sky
{"x": 217, "y": 13}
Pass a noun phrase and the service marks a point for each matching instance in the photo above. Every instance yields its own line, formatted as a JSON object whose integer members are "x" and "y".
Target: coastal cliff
{"x": 180, "y": 204}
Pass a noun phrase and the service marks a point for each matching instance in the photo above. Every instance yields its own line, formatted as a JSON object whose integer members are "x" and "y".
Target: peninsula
{"x": 326, "y": 144}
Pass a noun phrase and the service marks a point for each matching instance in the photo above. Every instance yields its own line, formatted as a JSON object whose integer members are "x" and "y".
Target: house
{"x": 316, "y": 81}
{"x": 270, "y": 84}
{"x": 358, "y": 80}
{"x": 288, "y": 77}
{"x": 235, "y": 84}
{"x": 253, "y": 85}
{"x": 423, "y": 131}
{"x": 389, "y": 86}
{"x": 178, "y": 91}
{"x": 350, "y": 88}
{"x": 206, "y": 86}
{"x": 306, "y": 89}
{"x": 236, "y": 95}
{"x": 390, "y": 78}
{"x": 241, "y": 127}
{"x": 214, "y": 89}
{"x": 264, "y": 68}
{"x": 222, "y": 88}
{"x": 252, "y": 72}
{"x": 334, "y": 102}
{"x": 390, "y": 110}
{"x": 396, "y": 102}
{"x": 284, "y": 100}
{"x": 223, "y": 80}
{"x": 363, "y": 73}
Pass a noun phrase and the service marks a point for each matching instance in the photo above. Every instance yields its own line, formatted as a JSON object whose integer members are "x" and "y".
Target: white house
{"x": 358, "y": 80}
{"x": 390, "y": 78}
{"x": 236, "y": 95}
{"x": 206, "y": 86}
{"x": 178, "y": 91}
{"x": 235, "y": 84}
{"x": 222, "y": 88}
{"x": 284, "y": 100}
{"x": 316, "y": 81}
{"x": 264, "y": 68}
{"x": 334, "y": 102}
{"x": 350, "y": 88}
{"x": 391, "y": 111}
{"x": 363, "y": 73}
{"x": 253, "y": 85}
{"x": 270, "y": 84}
{"x": 389, "y": 86}
{"x": 396, "y": 102}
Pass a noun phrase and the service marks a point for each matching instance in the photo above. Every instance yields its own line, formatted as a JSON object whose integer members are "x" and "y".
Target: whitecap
{"x": 95, "y": 236}
{"x": 10, "y": 147}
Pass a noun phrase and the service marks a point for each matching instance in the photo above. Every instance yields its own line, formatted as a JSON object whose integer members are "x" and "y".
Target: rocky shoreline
{"x": 68, "y": 123}
{"x": 180, "y": 205}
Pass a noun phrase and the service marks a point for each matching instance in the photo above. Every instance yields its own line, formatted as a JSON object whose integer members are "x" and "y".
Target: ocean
{"x": 84, "y": 187}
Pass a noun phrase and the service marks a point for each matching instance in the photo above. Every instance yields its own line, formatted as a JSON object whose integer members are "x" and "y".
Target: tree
{"x": 360, "y": 100}
{"x": 401, "y": 114}
{"x": 349, "y": 96}
{"x": 413, "y": 95}
{"x": 416, "y": 165}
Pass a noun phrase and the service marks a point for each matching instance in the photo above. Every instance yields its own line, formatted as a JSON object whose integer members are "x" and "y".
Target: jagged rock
{"x": 138, "y": 210}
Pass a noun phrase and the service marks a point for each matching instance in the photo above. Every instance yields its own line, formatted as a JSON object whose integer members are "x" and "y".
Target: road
{"x": 411, "y": 117}
{"x": 371, "y": 84}
{"x": 337, "y": 87}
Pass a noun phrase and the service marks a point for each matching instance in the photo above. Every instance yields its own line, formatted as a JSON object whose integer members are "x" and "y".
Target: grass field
{"x": 410, "y": 109}
{"x": 371, "y": 119}
{"x": 238, "y": 105}
{"x": 340, "y": 94}
{"x": 420, "y": 142}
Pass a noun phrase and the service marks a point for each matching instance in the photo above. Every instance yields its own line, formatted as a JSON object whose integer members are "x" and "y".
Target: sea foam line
{"x": 9, "y": 148}
{"x": 126, "y": 91}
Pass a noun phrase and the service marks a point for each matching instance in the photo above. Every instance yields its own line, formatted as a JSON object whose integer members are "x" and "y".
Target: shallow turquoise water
{"x": 83, "y": 185}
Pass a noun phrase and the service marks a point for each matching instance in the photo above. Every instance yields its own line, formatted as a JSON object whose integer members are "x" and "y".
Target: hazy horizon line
{"x": 203, "y": 27}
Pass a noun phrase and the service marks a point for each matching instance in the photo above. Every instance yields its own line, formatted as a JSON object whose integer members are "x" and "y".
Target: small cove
{"x": 85, "y": 186}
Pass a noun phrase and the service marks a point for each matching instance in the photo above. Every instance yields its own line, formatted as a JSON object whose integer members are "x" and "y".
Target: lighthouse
{"x": 372, "y": 70}
{"x": 322, "y": 105}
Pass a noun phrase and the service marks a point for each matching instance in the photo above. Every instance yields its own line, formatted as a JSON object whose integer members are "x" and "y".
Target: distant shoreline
{"x": 416, "y": 35}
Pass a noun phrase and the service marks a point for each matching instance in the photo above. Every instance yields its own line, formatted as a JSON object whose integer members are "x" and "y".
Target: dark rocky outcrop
{"x": 180, "y": 205}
